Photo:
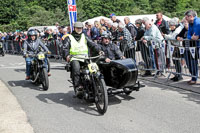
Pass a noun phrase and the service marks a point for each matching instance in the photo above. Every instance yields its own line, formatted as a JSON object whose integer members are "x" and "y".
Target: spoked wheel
{"x": 101, "y": 96}
{"x": 45, "y": 79}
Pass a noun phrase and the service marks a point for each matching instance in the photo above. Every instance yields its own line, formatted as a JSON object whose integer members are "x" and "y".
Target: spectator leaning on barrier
{"x": 140, "y": 29}
{"x": 110, "y": 23}
{"x": 130, "y": 27}
{"x": 114, "y": 31}
{"x": 124, "y": 34}
{"x": 193, "y": 35}
{"x": 175, "y": 30}
{"x": 162, "y": 24}
{"x": 183, "y": 34}
{"x": 152, "y": 33}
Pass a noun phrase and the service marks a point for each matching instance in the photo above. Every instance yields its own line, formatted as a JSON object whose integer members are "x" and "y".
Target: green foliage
{"x": 22, "y": 14}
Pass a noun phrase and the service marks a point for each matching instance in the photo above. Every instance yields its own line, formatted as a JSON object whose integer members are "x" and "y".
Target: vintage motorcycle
{"x": 94, "y": 87}
{"x": 39, "y": 73}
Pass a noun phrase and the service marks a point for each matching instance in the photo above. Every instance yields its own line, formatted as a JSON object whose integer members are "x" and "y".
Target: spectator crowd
{"x": 160, "y": 43}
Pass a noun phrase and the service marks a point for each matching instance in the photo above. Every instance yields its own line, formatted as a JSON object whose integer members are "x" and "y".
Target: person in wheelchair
{"x": 31, "y": 45}
{"x": 78, "y": 44}
{"x": 111, "y": 51}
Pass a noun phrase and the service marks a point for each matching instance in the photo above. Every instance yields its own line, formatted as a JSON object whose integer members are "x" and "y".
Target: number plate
{"x": 93, "y": 68}
{"x": 41, "y": 56}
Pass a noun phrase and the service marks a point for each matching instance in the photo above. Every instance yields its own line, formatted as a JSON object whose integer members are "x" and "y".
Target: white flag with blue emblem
{"x": 182, "y": 50}
{"x": 192, "y": 51}
{"x": 171, "y": 49}
{"x": 153, "y": 43}
{"x": 163, "y": 46}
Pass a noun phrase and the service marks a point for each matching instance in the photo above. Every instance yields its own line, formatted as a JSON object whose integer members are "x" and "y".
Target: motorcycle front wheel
{"x": 48, "y": 65}
{"x": 45, "y": 79}
{"x": 101, "y": 95}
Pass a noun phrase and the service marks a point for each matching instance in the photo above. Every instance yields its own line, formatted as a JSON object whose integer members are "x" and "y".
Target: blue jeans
{"x": 151, "y": 51}
{"x": 29, "y": 63}
{"x": 192, "y": 64}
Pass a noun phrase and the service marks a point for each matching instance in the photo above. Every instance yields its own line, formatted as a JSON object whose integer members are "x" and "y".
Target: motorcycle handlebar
{"x": 86, "y": 58}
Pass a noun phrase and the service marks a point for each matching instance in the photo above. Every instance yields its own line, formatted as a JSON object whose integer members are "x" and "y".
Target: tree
{"x": 9, "y": 10}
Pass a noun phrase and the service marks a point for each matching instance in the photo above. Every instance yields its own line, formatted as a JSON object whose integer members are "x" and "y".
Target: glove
{"x": 68, "y": 58}
{"x": 101, "y": 53}
{"x": 25, "y": 55}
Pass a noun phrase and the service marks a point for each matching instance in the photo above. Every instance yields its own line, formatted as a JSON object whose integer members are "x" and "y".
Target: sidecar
{"x": 120, "y": 75}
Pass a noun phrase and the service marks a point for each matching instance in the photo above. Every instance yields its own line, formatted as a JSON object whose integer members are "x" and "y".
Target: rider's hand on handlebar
{"x": 107, "y": 60}
{"x": 101, "y": 53}
{"x": 26, "y": 55}
{"x": 49, "y": 52}
{"x": 123, "y": 57}
{"x": 68, "y": 58}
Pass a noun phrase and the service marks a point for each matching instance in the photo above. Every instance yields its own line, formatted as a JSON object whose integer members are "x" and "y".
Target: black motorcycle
{"x": 39, "y": 73}
{"x": 94, "y": 87}
{"x": 2, "y": 52}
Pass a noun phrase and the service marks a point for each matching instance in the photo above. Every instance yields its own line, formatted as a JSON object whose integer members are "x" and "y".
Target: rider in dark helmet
{"x": 111, "y": 51}
{"x": 78, "y": 44}
{"x": 31, "y": 45}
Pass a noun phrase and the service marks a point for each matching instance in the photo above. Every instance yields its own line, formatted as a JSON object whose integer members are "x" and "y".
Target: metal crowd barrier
{"x": 55, "y": 46}
{"x": 184, "y": 58}
{"x": 151, "y": 57}
{"x": 13, "y": 47}
{"x": 179, "y": 58}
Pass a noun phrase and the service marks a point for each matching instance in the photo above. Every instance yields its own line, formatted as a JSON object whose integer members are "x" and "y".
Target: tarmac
{"x": 181, "y": 84}
{"x": 14, "y": 120}
{"x": 12, "y": 117}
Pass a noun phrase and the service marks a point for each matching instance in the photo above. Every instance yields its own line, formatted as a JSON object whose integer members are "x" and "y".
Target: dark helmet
{"x": 105, "y": 35}
{"x": 31, "y": 33}
{"x": 78, "y": 24}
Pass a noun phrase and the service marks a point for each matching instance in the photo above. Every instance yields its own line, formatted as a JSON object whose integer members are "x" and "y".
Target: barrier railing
{"x": 180, "y": 58}
{"x": 184, "y": 58}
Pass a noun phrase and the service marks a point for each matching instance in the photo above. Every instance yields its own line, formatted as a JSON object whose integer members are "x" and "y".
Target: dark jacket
{"x": 140, "y": 33}
{"x": 95, "y": 33}
{"x": 163, "y": 27}
{"x": 117, "y": 21}
{"x": 111, "y": 51}
{"x": 31, "y": 47}
{"x": 114, "y": 35}
{"x": 94, "y": 48}
{"x": 132, "y": 29}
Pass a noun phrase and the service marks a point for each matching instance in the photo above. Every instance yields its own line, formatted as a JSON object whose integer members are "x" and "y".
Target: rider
{"x": 78, "y": 44}
{"x": 111, "y": 51}
{"x": 32, "y": 45}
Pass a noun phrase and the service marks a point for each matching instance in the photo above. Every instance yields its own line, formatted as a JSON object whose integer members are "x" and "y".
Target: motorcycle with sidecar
{"x": 119, "y": 76}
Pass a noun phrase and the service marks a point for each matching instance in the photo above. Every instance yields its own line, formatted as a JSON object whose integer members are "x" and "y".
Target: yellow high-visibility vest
{"x": 79, "y": 48}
